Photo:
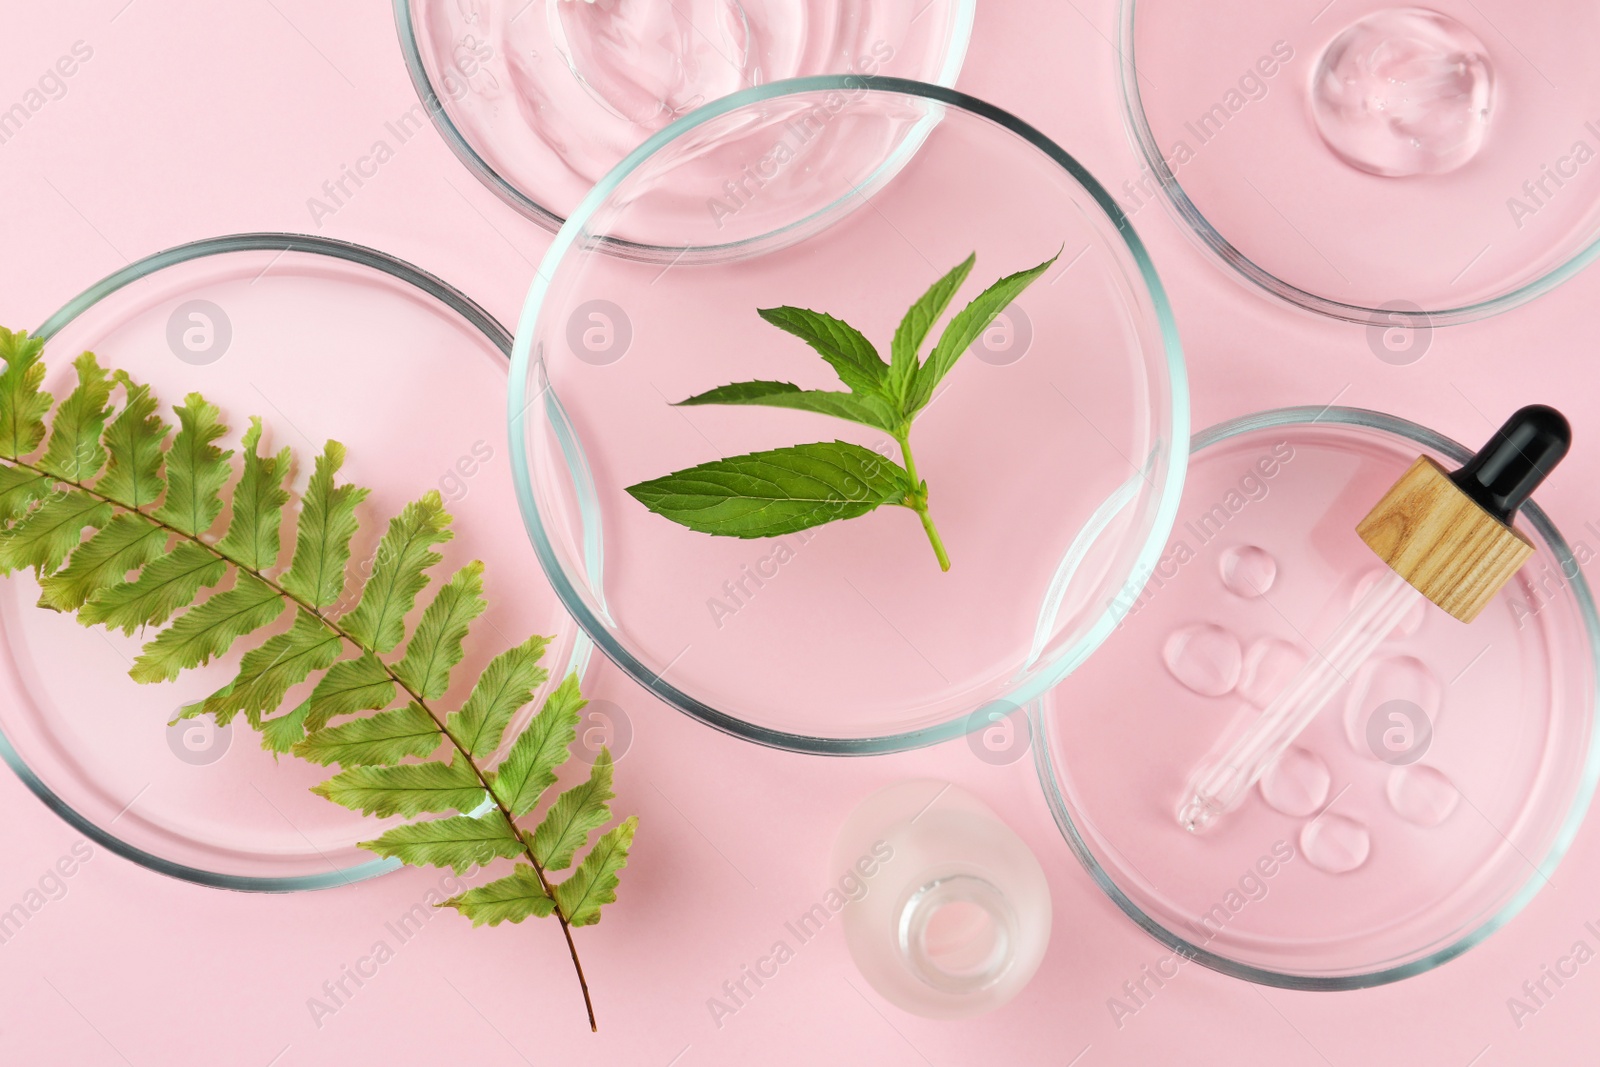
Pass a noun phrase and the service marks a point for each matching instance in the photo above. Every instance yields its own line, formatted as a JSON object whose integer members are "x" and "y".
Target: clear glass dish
{"x": 540, "y": 98}
{"x": 1055, "y": 454}
{"x": 1422, "y": 810}
{"x": 1459, "y": 134}
{"x": 323, "y": 340}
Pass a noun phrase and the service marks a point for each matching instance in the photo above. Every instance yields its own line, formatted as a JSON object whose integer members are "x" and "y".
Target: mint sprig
{"x": 769, "y": 494}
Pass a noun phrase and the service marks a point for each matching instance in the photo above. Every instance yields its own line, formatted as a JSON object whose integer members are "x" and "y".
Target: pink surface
{"x": 197, "y": 121}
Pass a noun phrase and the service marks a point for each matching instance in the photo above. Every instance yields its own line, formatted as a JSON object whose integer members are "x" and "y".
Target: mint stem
{"x": 918, "y": 500}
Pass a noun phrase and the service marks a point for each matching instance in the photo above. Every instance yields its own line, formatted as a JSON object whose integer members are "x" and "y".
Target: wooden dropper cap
{"x": 1450, "y": 535}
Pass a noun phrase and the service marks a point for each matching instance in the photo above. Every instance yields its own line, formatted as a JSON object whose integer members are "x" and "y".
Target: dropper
{"x": 1447, "y": 538}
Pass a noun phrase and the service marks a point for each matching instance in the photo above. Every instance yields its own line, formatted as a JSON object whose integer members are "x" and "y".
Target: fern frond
{"x": 115, "y": 515}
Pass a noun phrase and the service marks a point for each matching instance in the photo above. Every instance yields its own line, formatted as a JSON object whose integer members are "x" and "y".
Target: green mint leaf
{"x": 167, "y": 583}
{"x": 965, "y": 327}
{"x": 23, "y": 406}
{"x": 867, "y": 409}
{"x": 906, "y": 349}
{"x": 506, "y": 685}
{"x": 134, "y": 440}
{"x": 851, "y": 355}
{"x": 75, "y": 453}
{"x": 399, "y": 573}
{"x": 327, "y": 523}
{"x": 530, "y": 767}
{"x": 125, "y": 544}
{"x": 409, "y": 789}
{"x": 576, "y": 813}
{"x": 436, "y": 646}
{"x": 458, "y": 842}
{"x": 510, "y": 899}
{"x": 594, "y": 883}
{"x": 197, "y": 470}
{"x": 258, "y": 500}
{"x": 766, "y": 494}
{"x": 381, "y": 739}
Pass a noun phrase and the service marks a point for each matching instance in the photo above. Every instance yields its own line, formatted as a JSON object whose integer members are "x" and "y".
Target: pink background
{"x": 193, "y": 120}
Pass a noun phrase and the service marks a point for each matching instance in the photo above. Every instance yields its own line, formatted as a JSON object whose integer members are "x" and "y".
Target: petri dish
{"x": 1055, "y": 447}
{"x": 322, "y": 340}
{"x": 1428, "y": 803}
{"x": 1457, "y": 133}
{"x": 540, "y": 98}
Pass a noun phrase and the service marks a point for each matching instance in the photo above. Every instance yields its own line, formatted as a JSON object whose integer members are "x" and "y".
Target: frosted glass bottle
{"x": 955, "y": 916}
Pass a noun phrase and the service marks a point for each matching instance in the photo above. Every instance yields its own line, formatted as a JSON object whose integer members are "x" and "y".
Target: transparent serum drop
{"x": 649, "y": 62}
{"x": 1269, "y": 665}
{"x": 1248, "y": 571}
{"x": 1422, "y": 795}
{"x": 1403, "y": 92}
{"x": 1204, "y": 658}
{"x": 1297, "y": 784}
{"x": 1336, "y": 844}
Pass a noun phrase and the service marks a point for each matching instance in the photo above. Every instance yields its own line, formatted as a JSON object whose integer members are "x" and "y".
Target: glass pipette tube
{"x": 1221, "y": 785}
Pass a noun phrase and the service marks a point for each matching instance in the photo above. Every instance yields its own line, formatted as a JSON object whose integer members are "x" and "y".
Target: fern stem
{"x": 334, "y": 628}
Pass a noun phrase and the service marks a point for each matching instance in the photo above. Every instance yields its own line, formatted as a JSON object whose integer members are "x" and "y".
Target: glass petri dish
{"x": 321, "y": 339}
{"x": 540, "y": 98}
{"x": 1457, "y": 133}
{"x": 1429, "y": 802}
{"x": 1055, "y": 450}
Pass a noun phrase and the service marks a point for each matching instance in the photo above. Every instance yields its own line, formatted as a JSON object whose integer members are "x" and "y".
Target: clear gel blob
{"x": 1422, "y": 795}
{"x": 1205, "y": 658}
{"x": 1297, "y": 784}
{"x": 1402, "y": 92}
{"x": 1335, "y": 843}
{"x": 1248, "y": 571}
{"x": 1269, "y": 666}
{"x": 650, "y": 62}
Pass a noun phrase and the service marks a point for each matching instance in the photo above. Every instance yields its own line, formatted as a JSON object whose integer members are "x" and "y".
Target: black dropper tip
{"x": 1519, "y": 456}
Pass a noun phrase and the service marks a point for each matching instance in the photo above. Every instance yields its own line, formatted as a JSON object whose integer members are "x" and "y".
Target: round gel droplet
{"x": 1205, "y": 658}
{"x": 1335, "y": 844}
{"x": 1269, "y": 666}
{"x": 1404, "y": 91}
{"x": 1422, "y": 795}
{"x": 1248, "y": 571}
{"x": 1297, "y": 784}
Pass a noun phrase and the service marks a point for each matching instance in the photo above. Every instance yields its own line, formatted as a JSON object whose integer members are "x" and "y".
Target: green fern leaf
{"x": 594, "y": 883}
{"x": 378, "y": 740}
{"x": 23, "y": 405}
{"x": 513, "y": 898}
{"x": 207, "y": 630}
{"x": 505, "y": 685}
{"x": 327, "y": 523}
{"x": 530, "y": 767}
{"x": 134, "y": 476}
{"x": 44, "y": 537}
{"x": 457, "y": 842}
{"x": 20, "y": 488}
{"x": 351, "y": 685}
{"x": 126, "y": 543}
{"x": 409, "y": 789}
{"x": 398, "y": 575}
{"x": 258, "y": 500}
{"x": 74, "y": 452}
{"x": 197, "y": 470}
{"x": 165, "y": 585}
{"x": 266, "y": 673}
{"x": 436, "y": 646}
{"x": 280, "y": 734}
{"x": 573, "y": 817}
